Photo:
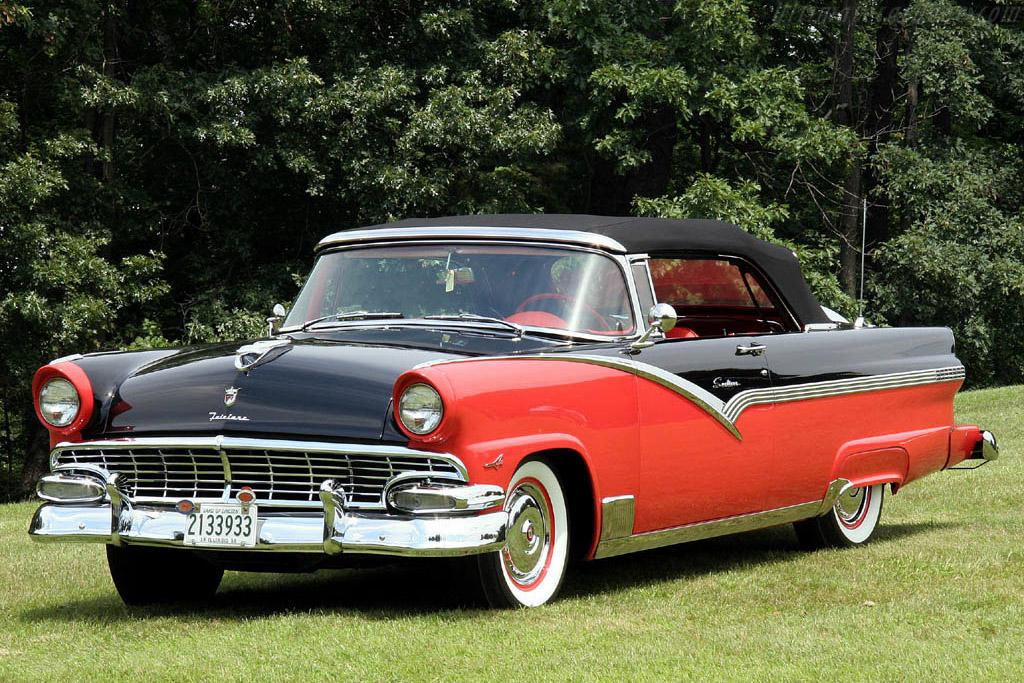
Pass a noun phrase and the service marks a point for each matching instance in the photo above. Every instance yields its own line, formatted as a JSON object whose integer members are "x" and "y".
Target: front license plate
{"x": 221, "y": 525}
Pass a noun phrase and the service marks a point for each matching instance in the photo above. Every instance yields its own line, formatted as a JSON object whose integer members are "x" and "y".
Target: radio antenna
{"x": 863, "y": 249}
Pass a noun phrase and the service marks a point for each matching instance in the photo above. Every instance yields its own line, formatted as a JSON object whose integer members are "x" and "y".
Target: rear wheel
{"x": 851, "y": 521}
{"x": 529, "y": 570}
{"x": 145, "y": 575}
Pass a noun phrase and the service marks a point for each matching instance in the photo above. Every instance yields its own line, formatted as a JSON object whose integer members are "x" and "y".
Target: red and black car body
{"x": 564, "y": 385}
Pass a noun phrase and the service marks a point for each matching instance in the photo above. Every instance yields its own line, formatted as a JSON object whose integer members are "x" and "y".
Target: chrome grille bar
{"x": 281, "y": 473}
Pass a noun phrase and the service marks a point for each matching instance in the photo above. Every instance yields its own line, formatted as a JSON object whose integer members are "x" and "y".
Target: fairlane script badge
{"x": 230, "y": 396}
{"x": 214, "y": 415}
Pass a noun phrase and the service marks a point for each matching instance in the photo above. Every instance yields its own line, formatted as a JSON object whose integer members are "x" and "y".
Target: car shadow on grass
{"x": 710, "y": 556}
{"x": 447, "y": 587}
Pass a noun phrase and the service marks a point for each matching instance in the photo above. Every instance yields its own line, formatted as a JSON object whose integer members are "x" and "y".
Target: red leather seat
{"x": 681, "y": 333}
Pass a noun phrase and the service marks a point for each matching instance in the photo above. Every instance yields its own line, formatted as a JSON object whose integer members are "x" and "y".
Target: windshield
{"x": 529, "y": 286}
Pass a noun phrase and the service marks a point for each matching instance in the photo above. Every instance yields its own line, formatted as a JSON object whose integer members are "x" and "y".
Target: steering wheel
{"x": 567, "y": 302}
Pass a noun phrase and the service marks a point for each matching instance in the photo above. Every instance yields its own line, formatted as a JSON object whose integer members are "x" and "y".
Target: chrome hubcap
{"x": 529, "y": 537}
{"x": 851, "y": 505}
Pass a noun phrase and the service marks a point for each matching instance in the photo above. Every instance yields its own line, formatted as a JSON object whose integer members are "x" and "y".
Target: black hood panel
{"x": 316, "y": 388}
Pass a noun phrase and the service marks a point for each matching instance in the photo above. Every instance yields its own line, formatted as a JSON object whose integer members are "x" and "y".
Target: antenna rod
{"x": 863, "y": 245}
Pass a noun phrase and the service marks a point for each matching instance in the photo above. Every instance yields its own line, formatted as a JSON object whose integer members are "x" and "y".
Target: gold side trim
{"x": 719, "y": 527}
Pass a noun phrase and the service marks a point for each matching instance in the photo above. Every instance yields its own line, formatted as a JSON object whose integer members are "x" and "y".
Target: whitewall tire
{"x": 851, "y": 521}
{"x": 529, "y": 570}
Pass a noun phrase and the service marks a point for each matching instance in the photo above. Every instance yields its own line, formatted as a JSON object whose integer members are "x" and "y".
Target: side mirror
{"x": 661, "y": 317}
{"x": 279, "y": 313}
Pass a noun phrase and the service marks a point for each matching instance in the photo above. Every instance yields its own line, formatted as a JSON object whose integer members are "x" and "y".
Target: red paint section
{"x": 692, "y": 468}
{"x": 882, "y": 466}
{"x": 962, "y": 441}
{"x": 815, "y": 436}
{"x": 78, "y": 378}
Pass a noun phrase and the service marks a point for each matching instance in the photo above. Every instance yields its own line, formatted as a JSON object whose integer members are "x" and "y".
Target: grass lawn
{"x": 938, "y": 595}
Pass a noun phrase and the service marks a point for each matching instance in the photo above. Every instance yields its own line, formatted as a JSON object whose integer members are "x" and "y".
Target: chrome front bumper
{"x": 336, "y": 530}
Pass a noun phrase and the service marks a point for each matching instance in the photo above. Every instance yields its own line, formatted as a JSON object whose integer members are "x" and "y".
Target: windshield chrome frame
{"x": 453, "y": 233}
{"x": 512, "y": 237}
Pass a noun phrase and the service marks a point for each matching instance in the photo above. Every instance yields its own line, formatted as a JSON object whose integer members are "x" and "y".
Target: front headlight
{"x": 59, "y": 402}
{"x": 420, "y": 409}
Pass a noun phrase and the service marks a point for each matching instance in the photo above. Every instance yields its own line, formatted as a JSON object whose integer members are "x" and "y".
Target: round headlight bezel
{"x": 87, "y": 401}
{"x": 417, "y": 397}
{"x": 66, "y": 392}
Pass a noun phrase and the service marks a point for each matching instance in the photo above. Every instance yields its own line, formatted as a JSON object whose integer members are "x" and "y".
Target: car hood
{"x": 312, "y": 387}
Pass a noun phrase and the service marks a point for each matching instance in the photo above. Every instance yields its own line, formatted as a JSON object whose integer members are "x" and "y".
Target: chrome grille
{"x": 281, "y": 477}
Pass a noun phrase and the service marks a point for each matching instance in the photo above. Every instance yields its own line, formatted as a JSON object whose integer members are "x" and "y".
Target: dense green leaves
{"x": 165, "y": 168}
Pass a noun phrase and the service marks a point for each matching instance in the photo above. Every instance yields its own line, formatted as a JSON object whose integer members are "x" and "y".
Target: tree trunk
{"x": 882, "y": 105}
{"x": 37, "y": 459}
{"x": 850, "y": 225}
{"x": 110, "y": 60}
{"x": 849, "y": 228}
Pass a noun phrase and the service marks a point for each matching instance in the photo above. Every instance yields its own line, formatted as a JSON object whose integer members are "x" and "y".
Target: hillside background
{"x": 166, "y": 168}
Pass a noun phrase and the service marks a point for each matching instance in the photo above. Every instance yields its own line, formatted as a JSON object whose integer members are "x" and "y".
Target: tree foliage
{"x": 165, "y": 168}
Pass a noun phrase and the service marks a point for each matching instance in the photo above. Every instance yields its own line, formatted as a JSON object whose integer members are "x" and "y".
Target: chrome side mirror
{"x": 661, "y": 317}
{"x": 279, "y": 313}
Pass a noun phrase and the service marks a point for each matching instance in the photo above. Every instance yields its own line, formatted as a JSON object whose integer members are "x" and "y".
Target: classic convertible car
{"x": 527, "y": 389}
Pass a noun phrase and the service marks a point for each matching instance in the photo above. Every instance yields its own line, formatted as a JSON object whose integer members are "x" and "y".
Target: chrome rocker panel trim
{"x": 612, "y": 543}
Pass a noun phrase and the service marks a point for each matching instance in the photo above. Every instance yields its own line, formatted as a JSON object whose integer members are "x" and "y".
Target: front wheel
{"x": 144, "y": 575}
{"x": 529, "y": 570}
{"x": 851, "y": 521}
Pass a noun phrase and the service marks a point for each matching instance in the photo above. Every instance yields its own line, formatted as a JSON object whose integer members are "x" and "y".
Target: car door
{"x": 698, "y": 461}
{"x": 708, "y": 431}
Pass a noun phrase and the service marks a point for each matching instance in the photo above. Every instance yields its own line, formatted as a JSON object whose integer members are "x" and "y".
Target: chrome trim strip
{"x": 727, "y": 413}
{"x": 617, "y": 515}
{"x": 590, "y": 239}
{"x": 799, "y": 392}
{"x": 720, "y": 527}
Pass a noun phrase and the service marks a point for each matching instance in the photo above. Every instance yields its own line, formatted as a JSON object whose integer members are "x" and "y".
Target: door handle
{"x": 754, "y": 349}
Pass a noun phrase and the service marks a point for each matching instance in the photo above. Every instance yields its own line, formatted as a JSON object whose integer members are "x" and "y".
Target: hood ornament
{"x": 230, "y": 396}
{"x": 258, "y": 353}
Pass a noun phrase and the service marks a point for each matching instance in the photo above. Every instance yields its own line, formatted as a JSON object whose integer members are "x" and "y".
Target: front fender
{"x": 515, "y": 407}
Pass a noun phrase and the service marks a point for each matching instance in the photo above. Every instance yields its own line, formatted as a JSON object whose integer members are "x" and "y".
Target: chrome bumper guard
{"x": 335, "y": 531}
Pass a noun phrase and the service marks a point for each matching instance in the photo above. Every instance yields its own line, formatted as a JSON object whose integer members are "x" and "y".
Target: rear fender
{"x": 895, "y": 459}
{"x": 867, "y": 468}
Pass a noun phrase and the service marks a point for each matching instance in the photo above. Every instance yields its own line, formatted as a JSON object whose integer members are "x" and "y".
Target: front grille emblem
{"x": 230, "y": 396}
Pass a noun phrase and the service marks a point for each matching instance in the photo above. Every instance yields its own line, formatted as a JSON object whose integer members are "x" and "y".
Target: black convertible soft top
{"x": 658, "y": 236}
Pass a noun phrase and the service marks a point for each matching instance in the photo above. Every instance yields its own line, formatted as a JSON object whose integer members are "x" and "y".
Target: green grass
{"x": 938, "y": 595}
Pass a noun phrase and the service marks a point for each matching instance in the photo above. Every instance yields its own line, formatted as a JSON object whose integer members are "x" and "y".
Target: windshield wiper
{"x": 473, "y": 318}
{"x": 352, "y": 315}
